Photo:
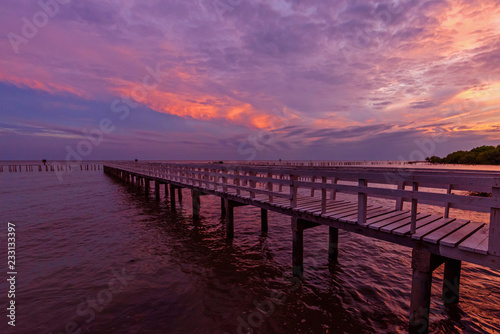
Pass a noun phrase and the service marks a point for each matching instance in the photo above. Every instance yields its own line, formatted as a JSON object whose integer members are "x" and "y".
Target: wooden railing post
{"x": 253, "y": 183}
{"x": 333, "y": 194}
{"x": 323, "y": 195}
{"x": 447, "y": 205}
{"x": 313, "y": 179}
{"x": 362, "y": 202}
{"x": 270, "y": 186}
{"x": 399, "y": 200}
{"x": 293, "y": 191}
{"x": 206, "y": 177}
{"x": 494, "y": 236}
{"x": 237, "y": 181}
{"x": 224, "y": 181}
{"x": 414, "y": 204}
{"x": 245, "y": 181}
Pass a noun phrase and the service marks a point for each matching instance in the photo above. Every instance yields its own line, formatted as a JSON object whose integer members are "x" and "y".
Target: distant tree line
{"x": 483, "y": 155}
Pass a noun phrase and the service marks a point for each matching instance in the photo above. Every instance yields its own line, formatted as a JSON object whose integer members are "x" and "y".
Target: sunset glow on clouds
{"x": 319, "y": 79}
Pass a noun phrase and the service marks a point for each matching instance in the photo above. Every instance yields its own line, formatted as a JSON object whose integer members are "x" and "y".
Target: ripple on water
{"x": 184, "y": 277}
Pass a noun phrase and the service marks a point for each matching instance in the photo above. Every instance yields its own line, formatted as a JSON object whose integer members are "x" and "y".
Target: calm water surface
{"x": 93, "y": 240}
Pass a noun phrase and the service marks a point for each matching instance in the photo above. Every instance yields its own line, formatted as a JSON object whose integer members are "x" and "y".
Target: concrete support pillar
{"x": 222, "y": 207}
{"x": 166, "y": 189}
{"x": 157, "y": 190}
{"x": 264, "y": 220}
{"x": 229, "y": 218}
{"x": 451, "y": 281}
{"x": 172, "y": 196}
{"x": 297, "y": 247}
{"x": 420, "y": 301}
{"x": 196, "y": 204}
{"x": 146, "y": 186}
{"x": 333, "y": 243}
{"x": 179, "y": 195}
{"x": 423, "y": 264}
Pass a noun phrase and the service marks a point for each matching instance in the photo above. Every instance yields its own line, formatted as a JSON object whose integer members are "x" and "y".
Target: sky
{"x": 247, "y": 80}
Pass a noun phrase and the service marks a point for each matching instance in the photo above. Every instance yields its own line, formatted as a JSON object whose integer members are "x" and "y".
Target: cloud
{"x": 345, "y": 71}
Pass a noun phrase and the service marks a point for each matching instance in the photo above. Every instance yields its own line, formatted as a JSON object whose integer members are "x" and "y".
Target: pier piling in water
{"x": 179, "y": 195}
{"x": 229, "y": 205}
{"x": 196, "y": 204}
{"x": 157, "y": 190}
{"x": 451, "y": 281}
{"x": 423, "y": 264}
{"x": 172, "y": 196}
{"x": 297, "y": 247}
{"x": 222, "y": 207}
{"x": 333, "y": 243}
{"x": 264, "y": 220}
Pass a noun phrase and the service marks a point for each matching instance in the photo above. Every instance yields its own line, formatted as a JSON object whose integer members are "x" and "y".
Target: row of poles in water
{"x": 48, "y": 167}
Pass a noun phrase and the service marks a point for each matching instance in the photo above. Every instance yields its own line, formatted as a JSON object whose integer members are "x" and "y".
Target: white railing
{"x": 416, "y": 186}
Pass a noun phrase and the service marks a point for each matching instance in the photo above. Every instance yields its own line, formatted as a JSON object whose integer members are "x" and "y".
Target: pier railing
{"x": 449, "y": 189}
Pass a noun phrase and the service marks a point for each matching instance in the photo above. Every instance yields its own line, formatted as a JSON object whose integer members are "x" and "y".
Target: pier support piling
{"x": 230, "y": 205}
{"x": 264, "y": 220}
{"x": 172, "y": 196}
{"x": 229, "y": 218}
{"x": 146, "y": 186}
{"x": 166, "y": 189}
{"x": 423, "y": 264}
{"x": 196, "y": 204}
{"x": 297, "y": 247}
{"x": 157, "y": 190}
{"x": 179, "y": 195}
{"x": 222, "y": 207}
{"x": 451, "y": 281}
{"x": 333, "y": 243}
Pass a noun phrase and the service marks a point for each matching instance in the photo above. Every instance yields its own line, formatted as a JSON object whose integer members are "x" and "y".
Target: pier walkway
{"x": 412, "y": 220}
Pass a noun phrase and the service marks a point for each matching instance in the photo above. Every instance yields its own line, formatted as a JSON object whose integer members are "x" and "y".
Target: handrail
{"x": 363, "y": 182}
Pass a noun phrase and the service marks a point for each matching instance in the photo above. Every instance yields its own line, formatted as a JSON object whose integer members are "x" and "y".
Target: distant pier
{"x": 49, "y": 167}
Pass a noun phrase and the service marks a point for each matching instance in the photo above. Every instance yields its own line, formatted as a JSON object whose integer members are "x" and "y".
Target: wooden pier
{"x": 435, "y": 239}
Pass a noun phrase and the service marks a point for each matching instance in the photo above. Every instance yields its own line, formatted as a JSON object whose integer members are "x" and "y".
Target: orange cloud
{"x": 46, "y": 86}
{"x": 203, "y": 107}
